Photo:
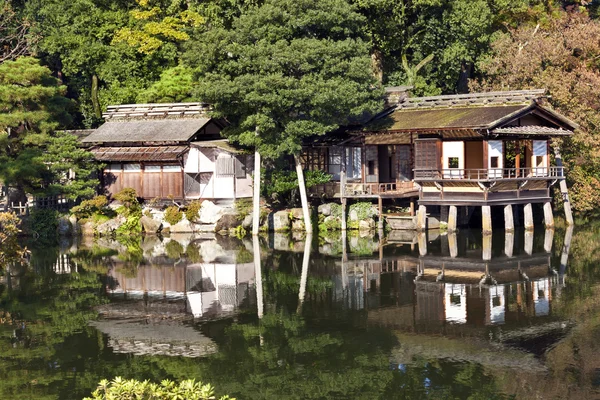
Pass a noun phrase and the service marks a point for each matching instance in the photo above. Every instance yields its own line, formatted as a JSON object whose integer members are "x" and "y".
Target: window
{"x": 152, "y": 168}
{"x": 171, "y": 168}
{"x": 353, "y": 162}
{"x": 114, "y": 167}
{"x": 371, "y": 167}
{"x": 494, "y": 162}
{"x": 453, "y": 162}
{"x": 132, "y": 167}
{"x": 335, "y": 161}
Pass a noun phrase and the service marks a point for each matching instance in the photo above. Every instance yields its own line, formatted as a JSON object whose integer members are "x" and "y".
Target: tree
{"x": 285, "y": 71}
{"x": 34, "y": 158}
{"x": 14, "y": 38}
{"x": 561, "y": 56}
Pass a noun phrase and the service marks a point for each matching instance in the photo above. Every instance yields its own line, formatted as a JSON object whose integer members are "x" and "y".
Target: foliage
{"x": 130, "y": 209}
{"x": 15, "y": 40}
{"x": 174, "y": 250}
{"x": 43, "y": 222}
{"x": 282, "y": 185}
{"x": 192, "y": 210}
{"x": 243, "y": 207}
{"x": 287, "y": 70}
{"x": 173, "y": 215}
{"x": 364, "y": 210}
{"x": 10, "y": 250}
{"x": 89, "y": 207}
{"x": 175, "y": 85}
{"x": 244, "y": 256}
{"x": 123, "y": 389}
{"x": 562, "y": 57}
{"x": 192, "y": 252}
{"x": 239, "y": 232}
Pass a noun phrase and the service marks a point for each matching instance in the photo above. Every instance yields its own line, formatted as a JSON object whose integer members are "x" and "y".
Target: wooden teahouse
{"x": 479, "y": 149}
{"x": 169, "y": 151}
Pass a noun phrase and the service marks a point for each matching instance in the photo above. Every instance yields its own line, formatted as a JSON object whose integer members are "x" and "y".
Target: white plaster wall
{"x": 495, "y": 150}
{"x": 455, "y": 312}
{"x": 453, "y": 149}
{"x": 540, "y": 148}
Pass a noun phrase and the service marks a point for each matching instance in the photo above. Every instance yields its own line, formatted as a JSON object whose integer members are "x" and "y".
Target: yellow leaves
{"x": 154, "y": 31}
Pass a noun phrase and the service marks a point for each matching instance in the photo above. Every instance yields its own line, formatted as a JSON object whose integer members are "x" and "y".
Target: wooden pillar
{"x": 342, "y": 195}
{"x": 529, "y": 242}
{"x": 452, "y": 245}
{"x": 548, "y": 217}
{"x": 303, "y": 196}
{"x": 509, "y": 243}
{"x": 304, "y": 274}
{"x": 422, "y": 218}
{"x": 486, "y": 219}
{"x": 256, "y": 194}
{"x": 563, "y": 189}
{"x": 380, "y": 211}
{"x": 412, "y": 208}
{"x": 258, "y": 277}
{"x": 422, "y": 241}
{"x": 564, "y": 256}
{"x": 509, "y": 222}
{"x": 452, "y": 219}
{"x": 487, "y": 247}
{"x": 528, "y": 214}
{"x": 548, "y": 239}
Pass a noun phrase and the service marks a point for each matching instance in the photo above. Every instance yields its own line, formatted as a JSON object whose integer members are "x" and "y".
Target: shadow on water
{"x": 340, "y": 316}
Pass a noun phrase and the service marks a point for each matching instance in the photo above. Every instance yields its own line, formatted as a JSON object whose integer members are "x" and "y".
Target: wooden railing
{"x": 358, "y": 189}
{"x": 490, "y": 174}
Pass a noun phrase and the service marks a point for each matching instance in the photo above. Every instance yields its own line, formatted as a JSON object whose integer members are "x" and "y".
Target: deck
{"x": 365, "y": 190}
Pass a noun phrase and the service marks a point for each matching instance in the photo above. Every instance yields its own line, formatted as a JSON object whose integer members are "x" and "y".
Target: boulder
{"x": 150, "y": 225}
{"x": 297, "y": 213}
{"x": 110, "y": 226}
{"x": 363, "y": 225}
{"x": 87, "y": 229}
{"x": 64, "y": 227}
{"x": 76, "y": 231}
{"x": 281, "y": 242}
{"x": 279, "y": 221}
{"x": 183, "y": 226}
{"x": 228, "y": 221}
{"x": 353, "y": 215}
{"x": 247, "y": 222}
{"x": 325, "y": 209}
{"x": 298, "y": 225}
{"x": 204, "y": 227}
{"x": 210, "y": 213}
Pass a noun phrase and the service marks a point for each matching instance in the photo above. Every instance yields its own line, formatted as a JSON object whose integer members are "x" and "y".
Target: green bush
{"x": 193, "y": 253}
{"x": 174, "y": 250}
{"x": 173, "y": 215}
{"x": 87, "y": 208}
{"x": 192, "y": 210}
{"x": 43, "y": 222}
{"x": 128, "y": 198}
{"x": 243, "y": 207}
{"x": 123, "y": 389}
{"x": 364, "y": 210}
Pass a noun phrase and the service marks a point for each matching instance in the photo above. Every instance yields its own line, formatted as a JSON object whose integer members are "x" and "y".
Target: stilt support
{"x": 452, "y": 219}
{"x": 486, "y": 219}
{"x": 509, "y": 222}
{"x": 528, "y": 214}
{"x": 422, "y": 218}
{"x": 487, "y": 247}
{"x": 548, "y": 217}
{"x": 563, "y": 189}
{"x": 380, "y": 211}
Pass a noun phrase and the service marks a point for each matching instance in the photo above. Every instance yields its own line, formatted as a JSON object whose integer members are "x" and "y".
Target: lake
{"x": 402, "y": 317}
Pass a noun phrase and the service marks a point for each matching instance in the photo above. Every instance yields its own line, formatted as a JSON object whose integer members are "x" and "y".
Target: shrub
{"x": 193, "y": 253}
{"x": 10, "y": 251}
{"x": 43, "y": 222}
{"x": 174, "y": 250}
{"x": 123, "y": 389}
{"x": 243, "y": 207}
{"x": 364, "y": 210}
{"x": 89, "y": 207}
{"x": 191, "y": 213}
{"x": 173, "y": 215}
{"x": 127, "y": 197}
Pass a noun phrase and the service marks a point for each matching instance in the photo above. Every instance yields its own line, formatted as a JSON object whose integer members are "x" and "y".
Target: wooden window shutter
{"x": 225, "y": 167}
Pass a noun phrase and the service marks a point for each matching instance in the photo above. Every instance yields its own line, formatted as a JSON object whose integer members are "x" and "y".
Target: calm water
{"x": 407, "y": 317}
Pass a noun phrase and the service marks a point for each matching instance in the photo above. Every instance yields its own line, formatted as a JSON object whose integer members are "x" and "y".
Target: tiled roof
{"x": 156, "y": 153}
{"x": 531, "y": 130}
{"x": 147, "y": 130}
{"x": 155, "y": 110}
{"x": 473, "y": 99}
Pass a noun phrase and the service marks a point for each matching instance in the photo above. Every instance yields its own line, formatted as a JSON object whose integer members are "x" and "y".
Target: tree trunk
{"x": 95, "y": 99}
{"x": 256, "y": 198}
{"x": 377, "y": 65}
{"x": 303, "y": 197}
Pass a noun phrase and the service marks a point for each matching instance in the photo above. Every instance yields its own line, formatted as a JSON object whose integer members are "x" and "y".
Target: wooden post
{"x": 564, "y": 256}
{"x": 509, "y": 222}
{"x": 528, "y": 213}
{"x": 529, "y": 242}
{"x": 509, "y": 243}
{"x": 258, "y": 277}
{"x": 487, "y": 247}
{"x": 548, "y": 239}
{"x": 342, "y": 195}
{"x": 380, "y": 211}
{"x": 548, "y": 217}
{"x": 304, "y": 275}
{"x": 452, "y": 219}
{"x": 422, "y": 218}
{"x": 563, "y": 189}
{"x": 256, "y": 197}
{"x": 453, "y": 245}
{"x": 303, "y": 197}
{"x": 422, "y": 241}
{"x": 486, "y": 219}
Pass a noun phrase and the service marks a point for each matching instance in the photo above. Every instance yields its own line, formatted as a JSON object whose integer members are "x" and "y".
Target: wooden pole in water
{"x": 256, "y": 195}
{"x": 343, "y": 197}
{"x": 563, "y": 189}
{"x": 303, "y": 197}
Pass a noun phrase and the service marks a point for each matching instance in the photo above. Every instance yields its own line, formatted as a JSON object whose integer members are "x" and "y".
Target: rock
{"x": 297, "y": 213}
{"x": 210, "y": 213}
{"x": 364, "y": 225}
{"x": 332, "y": 223}
{"x": 325, "y": 209}
{"x": 247, "y": 223}
{"x": 281, "y": 242}
{"x": 183, "y": 226}
{"x": 64, "y": 227}
{"x": 76, "y": 231}
{"x": 279, "y": 221}
{"x": 150, "y": 225}
{"x": 298, "y": 225}
{"x": 110, "y": 226}
{"x": 87, "y": 229}
{"x": 353, "y": 215}
{"x": 204, "y": 227}
{"x": 228, "y": 221}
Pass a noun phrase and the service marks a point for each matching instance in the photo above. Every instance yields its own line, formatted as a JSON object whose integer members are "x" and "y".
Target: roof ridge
{"x": 473, "y": 99}
{"x": 145, "y": 110}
